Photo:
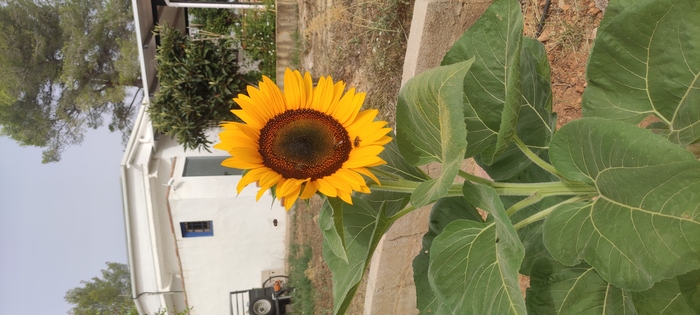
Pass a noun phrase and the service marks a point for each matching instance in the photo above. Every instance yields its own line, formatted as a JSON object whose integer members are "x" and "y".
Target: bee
{"x": 357, "y": 141}
{"x": 337, "y": 145}
{"x": 274, "y": 222}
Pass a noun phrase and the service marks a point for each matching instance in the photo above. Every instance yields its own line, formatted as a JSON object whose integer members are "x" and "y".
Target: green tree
{"x": 110, "y": 294}
{"x": 64, "y": 67}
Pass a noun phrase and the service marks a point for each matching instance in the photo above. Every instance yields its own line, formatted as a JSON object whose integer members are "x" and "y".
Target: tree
{"x": 64, "y": 66}
{"x": 110, "y": 294}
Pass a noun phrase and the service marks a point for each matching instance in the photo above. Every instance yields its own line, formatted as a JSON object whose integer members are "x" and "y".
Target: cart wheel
{"x": 261, "y": 306}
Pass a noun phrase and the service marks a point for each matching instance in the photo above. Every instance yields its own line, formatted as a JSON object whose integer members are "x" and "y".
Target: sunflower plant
{"x": 603, "y": 215}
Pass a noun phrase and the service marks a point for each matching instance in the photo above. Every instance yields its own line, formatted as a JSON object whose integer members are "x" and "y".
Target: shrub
{"x": 198, "y": 80}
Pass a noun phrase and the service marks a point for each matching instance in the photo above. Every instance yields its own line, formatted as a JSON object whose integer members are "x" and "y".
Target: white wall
{"x": 245, "y": 241}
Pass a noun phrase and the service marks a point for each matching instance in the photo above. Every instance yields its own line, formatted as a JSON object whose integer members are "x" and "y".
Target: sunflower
{"x": 305, "y": 140}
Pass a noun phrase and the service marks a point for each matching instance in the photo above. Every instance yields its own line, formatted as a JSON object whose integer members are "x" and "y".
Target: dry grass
{"x": 365, "y": 46}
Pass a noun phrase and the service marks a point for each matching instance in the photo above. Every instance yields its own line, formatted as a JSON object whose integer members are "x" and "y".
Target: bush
{"x": 198, "y": 80}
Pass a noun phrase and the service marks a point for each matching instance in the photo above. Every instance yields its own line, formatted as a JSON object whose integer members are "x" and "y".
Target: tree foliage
{"x": 198, "y": 80}
{"x": 110, "y": 294}
{"x": 64, "y": 66}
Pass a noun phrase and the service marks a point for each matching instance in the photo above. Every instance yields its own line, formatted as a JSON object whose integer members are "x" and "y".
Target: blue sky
{"x": 59, "y": 222}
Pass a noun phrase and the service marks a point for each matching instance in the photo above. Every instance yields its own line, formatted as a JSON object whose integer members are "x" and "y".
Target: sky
{"x": 59, "y": 223}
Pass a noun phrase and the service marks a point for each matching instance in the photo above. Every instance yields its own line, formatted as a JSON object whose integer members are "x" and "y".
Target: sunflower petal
{"x": 345, "y": 196}
{"x": 251, "y": 176}
{"x": 291, "y": 198}
{"x": 326, "y": 188}
{"x": 367, "y": 173}
{"x": 309, "y": 190}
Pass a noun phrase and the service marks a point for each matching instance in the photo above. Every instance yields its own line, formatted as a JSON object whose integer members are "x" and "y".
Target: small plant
{"x": 218, "y": 21}
{"x": 258, "y": 39}
{"x": 198, "y": 80}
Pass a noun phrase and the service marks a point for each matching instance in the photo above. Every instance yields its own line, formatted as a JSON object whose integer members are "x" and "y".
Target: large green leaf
{"x": 536, "y": 122}
{"x": 364, "y": 227}
{"x": 474, "y": 265}
{"x": 645, "y": 223}
{"x": 646, "y": 61}
{"x": 444, "y": 212}
{"x": 430, "y": 126}
{"x": 557, "y": 289}
{"x": 492, "y": 87}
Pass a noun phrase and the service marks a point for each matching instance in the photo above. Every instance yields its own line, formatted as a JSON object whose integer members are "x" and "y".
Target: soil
{"x": 364, "y": 44}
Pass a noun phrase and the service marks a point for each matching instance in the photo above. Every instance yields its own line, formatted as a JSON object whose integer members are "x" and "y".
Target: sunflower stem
{"x": 505, "y": 189}
{"x": 474, "y": 178}
{"x": 534, "y": 158}
{"x": 544, "y": 213}
{"x": 401, "y": 213}
{"x": 535, "y": 198}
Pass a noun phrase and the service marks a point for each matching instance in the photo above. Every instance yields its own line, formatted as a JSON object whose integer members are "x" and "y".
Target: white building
{"x": 191, "y": 240}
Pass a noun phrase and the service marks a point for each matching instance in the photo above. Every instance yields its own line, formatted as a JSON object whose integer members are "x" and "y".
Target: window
{"x": 208, "y": 166}
{"x": 197, "y": 228}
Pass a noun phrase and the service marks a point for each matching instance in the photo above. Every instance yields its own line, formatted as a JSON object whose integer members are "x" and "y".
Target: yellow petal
{"x": 326, "y": 188}
{"x": 346, "y": 107}
{"x": 235, "y": 162}
{"x": 263, "y": 189}
{"x": 367, "y": 173}
{"x": 293, "y": 90}
{"x": 308, "y": 90}
{"x": 289, "y": 186}
{"x": 277, "y": 103}
{"x": 253, "y": 175}
{"x": 350, "y": 177}
{"x": 249, "y": 154}
{"x": 337, "y": 183}
{"x": 309, "y": 190}
{"x": 291, "y": 198}
{"x": 345, "y": 196}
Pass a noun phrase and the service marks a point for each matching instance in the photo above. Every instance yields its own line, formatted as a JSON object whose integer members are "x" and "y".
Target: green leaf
{"x": 474, "y": 265}
{"x": 646, "y": 61}
{"x": 556, "y": 289}
{"x": 444, "y": 212}
{"x": 430, "y": 126}
{"x": 397, "y": 165}
{"x": 645, "y": 223}
{"x": 689, "y": 285}
{"x": 363, "y": 228}
{"x": 395, "y": 168}
{"x": 330, "y": 221}
{"x": 536, "y": 122}
{"x": 664, "y": 298}
{"x": 492, "y": 86}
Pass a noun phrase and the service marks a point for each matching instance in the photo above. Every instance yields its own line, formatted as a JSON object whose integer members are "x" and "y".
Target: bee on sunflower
{"x": 300, "y": 141}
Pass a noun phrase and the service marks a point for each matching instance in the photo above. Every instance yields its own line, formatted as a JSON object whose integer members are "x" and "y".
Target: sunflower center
{"x": 304, "y": 143}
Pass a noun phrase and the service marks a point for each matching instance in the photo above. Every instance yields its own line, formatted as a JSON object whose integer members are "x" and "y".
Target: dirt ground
{"x": 363, "y": 44}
